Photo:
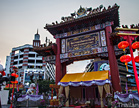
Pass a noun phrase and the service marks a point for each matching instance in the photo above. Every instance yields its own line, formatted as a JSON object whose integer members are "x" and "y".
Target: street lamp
{"x": 127, "y": 76}
{"x": 14, "y": 81}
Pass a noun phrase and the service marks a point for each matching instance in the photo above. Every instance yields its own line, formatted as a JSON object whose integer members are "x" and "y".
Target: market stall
{"x": 126, "y": 97}
{"x": 96, "y": 78}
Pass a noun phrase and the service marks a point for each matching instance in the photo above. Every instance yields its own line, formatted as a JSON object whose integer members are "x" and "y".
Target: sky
{"x": 20, "y": 19}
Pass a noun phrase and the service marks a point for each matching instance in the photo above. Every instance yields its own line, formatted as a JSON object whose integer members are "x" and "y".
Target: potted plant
{"x": 109, "y": 99}
{"x": 42, "y": 104}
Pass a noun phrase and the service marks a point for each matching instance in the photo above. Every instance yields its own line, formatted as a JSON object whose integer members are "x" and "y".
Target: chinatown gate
{"x": 84, "y": 35}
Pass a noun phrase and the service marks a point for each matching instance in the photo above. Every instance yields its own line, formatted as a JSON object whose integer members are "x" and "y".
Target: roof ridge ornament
{"x": 81, "y": 12}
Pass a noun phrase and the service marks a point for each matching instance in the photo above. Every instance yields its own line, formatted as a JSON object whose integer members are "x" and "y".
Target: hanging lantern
{"x": 135, "y": 45}
{"x": 137, "y": 59}
{"x": 125, "y": 59}
{"x": 14, "y": 74}
{"x": 123, "y": 45}
{"x": 13, "y": 77}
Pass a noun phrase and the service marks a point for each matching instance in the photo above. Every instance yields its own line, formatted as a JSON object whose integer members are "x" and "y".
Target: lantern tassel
{"x": 124, "y": 50}
{"x": 126, "y": 66}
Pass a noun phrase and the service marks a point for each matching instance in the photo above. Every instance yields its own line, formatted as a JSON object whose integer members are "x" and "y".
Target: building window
{"x": 31, "y": 55}
{"x": 31, "y": 61}
{"x": 15, "y": 63}
{"x": 15, "y": 57}
{"x": 40, "y": 67}
{"x": 30, "y": 49}
{"x": 30, "y": 66}
{"x": 39, "y": 61}
{"x": 21, "y": 50}
{"x": 21, "y": 56}
{"x": 19, "y": 67}
{"x": 21, "y": 61}
{"x": 37, "y": 55}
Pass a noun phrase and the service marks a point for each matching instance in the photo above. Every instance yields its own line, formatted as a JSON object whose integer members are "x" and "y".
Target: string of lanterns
{"x": 126, "y": 58}
{"x": 135, "y": 45}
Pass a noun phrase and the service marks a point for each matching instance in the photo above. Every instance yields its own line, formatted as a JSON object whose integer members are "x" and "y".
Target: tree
{"x": 44, "y": 85}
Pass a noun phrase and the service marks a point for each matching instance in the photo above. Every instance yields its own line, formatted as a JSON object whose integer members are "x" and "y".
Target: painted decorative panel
{"x": 82, "y": 42}
{"x": 103, "y": 38}
{"x": 63, "y": 46}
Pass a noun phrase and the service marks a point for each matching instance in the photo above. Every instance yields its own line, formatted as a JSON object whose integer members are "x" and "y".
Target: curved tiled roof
{"x": 111, "y": 14}
{"x": 46, "y": 50}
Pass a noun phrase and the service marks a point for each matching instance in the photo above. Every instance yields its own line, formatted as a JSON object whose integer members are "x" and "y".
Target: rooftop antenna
{"x": 37, "y": 30}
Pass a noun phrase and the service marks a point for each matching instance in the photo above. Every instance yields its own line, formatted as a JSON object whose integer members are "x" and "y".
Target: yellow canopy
{"x": 87, "y": 76}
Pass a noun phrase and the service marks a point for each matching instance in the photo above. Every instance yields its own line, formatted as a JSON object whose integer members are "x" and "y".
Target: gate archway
{"x": 85, "y": 35}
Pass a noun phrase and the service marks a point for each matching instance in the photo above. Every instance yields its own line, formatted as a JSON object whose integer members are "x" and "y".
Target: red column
{"x": 133, "y": 62}
{"x": 11, "y": 106}
{"x": 52, "y": 89}
{"x": 58, "y": 74}
{"x": 112, "y": 61}
{"x": 64, "y": 69}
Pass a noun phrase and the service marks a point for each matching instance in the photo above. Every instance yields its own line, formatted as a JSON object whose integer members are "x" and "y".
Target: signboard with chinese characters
{"x": 82, "y": 42}
{"x": 92, "y": 43}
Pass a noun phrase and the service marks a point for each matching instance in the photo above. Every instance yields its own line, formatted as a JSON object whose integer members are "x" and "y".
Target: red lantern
{"x": 125, "y": 59}
{"x": 123, "y": 45}
{"x": 14, "y": 74}
{"x": 137, "y": 59}
{"x": 135, "y": 45}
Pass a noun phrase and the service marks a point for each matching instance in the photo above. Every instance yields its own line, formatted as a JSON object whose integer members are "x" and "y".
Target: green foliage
{"x": 44, "y": 85}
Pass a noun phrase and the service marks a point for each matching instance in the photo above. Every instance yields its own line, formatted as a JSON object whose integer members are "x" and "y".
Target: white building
{"x": 28, "y": 61}
{"x": 7, "y": 65}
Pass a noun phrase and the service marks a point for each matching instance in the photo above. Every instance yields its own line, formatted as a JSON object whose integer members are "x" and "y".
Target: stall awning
{"x": 85, "y": 79}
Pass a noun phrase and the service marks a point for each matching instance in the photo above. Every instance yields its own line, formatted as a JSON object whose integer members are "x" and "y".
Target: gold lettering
{"x": 82, "y": 42}
{"x": 96, "y": 38}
